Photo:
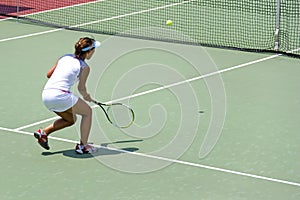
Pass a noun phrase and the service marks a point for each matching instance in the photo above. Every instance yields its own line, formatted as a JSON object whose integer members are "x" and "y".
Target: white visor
{"x": 96, "y": 44}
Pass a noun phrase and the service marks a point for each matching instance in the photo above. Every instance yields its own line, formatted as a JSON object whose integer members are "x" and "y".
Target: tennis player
{"x": 57, "y": 97}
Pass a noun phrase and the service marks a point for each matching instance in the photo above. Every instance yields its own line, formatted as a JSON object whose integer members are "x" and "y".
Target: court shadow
{"x": 102, "y": 151}
{"x": 119, "y": 142}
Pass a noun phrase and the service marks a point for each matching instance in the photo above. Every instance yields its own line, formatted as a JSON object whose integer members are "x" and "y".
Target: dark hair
{"x": 81, "y": 44}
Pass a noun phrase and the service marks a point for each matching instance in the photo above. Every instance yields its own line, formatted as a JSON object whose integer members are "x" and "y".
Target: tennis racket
{"x": 118, "y": 114}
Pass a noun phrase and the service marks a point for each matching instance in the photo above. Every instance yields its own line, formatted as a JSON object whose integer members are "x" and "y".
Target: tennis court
{"x": 211, "y": 123}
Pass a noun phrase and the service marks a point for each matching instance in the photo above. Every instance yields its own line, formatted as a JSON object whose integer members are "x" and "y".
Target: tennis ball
{"x": 169, "y": 22}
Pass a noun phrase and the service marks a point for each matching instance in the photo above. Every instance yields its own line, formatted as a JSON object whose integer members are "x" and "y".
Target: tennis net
{"x": 255, "y": 25}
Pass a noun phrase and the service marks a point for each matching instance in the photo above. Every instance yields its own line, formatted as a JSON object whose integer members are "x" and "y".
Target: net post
{"x": 277, "y": 30}
{"x": 18, "y": 9}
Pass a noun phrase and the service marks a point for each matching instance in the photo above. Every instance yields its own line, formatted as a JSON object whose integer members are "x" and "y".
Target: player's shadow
{"x": 102, "y": 151}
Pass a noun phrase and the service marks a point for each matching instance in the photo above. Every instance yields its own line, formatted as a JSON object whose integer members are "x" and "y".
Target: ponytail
{"x": 82, "y": 47}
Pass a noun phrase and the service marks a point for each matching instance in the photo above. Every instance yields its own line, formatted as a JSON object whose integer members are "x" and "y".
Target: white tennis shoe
{"x": 88, "y": 148}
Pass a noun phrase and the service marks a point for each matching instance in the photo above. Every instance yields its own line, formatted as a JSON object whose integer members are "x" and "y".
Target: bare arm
{"x": 50, "y": 72}
{"x": 82, "y": 84}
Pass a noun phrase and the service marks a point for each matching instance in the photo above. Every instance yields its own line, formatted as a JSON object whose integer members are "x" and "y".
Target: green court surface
{"x": 254, "y": 156}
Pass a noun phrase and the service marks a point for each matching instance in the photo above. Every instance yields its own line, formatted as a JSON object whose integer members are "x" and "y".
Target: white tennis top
{"x": 66, "y": 73}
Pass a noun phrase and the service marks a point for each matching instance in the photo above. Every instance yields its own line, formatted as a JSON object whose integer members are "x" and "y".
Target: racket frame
{"x": 101, "y": 105}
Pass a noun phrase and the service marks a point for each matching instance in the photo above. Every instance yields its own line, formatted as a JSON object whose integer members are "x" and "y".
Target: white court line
{"x": 172, "y": 160}
{"x": 65, "y": 7}
{"x": 197, "y": 78}
{"x": 166, "y": 86}
{"x": 97, "y": 21}
{"x": 28, "y": 133}
{"x": 18, "y": 130}
{"x": 55, "y": 9}
{"x": 36, "y": 123}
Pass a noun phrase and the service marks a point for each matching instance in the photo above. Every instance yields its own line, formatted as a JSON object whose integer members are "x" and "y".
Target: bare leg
{"x": 67, "y": 119}
{"x": 83, "y": 109}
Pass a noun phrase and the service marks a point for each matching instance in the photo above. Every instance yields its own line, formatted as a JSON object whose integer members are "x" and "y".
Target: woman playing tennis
{"x": 68, "y": 70}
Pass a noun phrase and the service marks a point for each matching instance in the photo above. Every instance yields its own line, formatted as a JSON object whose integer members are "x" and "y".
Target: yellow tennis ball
{"x": 169, "y": 22}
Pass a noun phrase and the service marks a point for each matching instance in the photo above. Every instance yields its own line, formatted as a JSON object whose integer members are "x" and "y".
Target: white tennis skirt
{"x": 58, "y": 100}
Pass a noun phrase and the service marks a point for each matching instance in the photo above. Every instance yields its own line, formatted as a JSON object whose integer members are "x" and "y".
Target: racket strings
{"x": 120, "y": 115}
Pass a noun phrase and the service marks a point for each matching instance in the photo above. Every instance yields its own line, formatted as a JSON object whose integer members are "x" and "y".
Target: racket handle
{"x": 98, "y": 103}
{"x": 95, "y": 102}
